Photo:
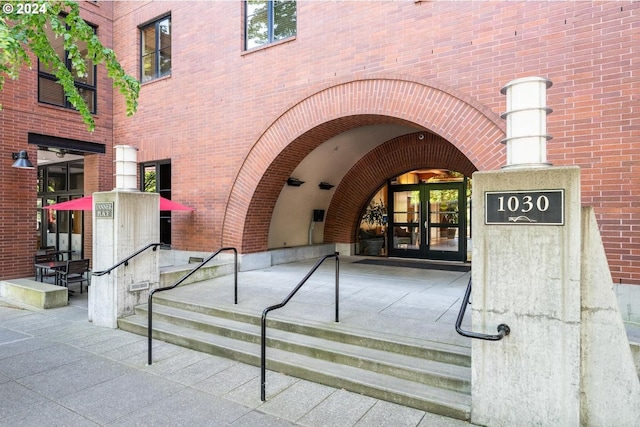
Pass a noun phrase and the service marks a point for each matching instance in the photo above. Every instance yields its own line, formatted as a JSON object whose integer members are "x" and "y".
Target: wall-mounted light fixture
{"x": 325, "y": 186}
{"x": 294, "y": 182}
{"x": 21, "y": 160}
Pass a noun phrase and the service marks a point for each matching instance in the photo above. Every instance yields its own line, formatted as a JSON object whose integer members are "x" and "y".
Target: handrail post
{"x": 337, "y": 287}
{"x": 235, "y": 276}
{"x": 149, "y": 329}
{"x": 503, "y": 329}
{"x": 263, "y": 355}
{"x": 263, "y": 325}
{"x": 182, "y": 279}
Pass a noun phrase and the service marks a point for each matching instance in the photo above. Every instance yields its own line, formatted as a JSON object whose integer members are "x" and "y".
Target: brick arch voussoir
{"x": 335, "y": 109}
{"x": 393, "y": 158}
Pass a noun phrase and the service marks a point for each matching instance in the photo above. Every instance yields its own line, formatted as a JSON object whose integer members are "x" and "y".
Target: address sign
{"x": 544, "y": 207}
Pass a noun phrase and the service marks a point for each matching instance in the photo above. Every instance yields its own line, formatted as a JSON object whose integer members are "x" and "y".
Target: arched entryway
{"x": 418, "y": 150}
{"x": 456, "y": 126}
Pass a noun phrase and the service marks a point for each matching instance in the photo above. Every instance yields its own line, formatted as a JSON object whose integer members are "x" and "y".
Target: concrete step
{"x": 313, "y": 344}
{"x": 414, "y": 394}
{"x": 432, "y": 350}
{"x": 429, "y": 376}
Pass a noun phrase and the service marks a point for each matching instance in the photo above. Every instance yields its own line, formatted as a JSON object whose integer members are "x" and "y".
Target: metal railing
{"x": 127, "y": 259}
{"x": 503, "y": 329}
{"x": 263, "y": 344}
{"x": 182, "y": 279}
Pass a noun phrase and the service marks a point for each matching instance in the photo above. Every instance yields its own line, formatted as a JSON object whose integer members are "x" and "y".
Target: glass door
{"x": 405, "y": 233}
{"x": 445, "y": 224}
{"x": 428, "y": 221}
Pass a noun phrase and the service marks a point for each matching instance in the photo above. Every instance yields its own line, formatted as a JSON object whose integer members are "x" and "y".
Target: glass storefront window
{"x": 59, "y": 182}
{"x": 56, "y": 178}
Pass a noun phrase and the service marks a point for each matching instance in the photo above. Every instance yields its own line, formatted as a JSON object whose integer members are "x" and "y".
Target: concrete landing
{"x": 33, "y": 293}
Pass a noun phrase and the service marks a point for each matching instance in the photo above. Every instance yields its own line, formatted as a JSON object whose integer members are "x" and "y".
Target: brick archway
{"x": 471, "y": 128}
{"x": 395, "y": 157}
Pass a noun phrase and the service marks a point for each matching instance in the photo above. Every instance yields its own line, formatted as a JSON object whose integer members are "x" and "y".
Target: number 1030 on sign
{"x": 545, "y": 207}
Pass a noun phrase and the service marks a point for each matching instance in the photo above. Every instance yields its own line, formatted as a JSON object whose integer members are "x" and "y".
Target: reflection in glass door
{"x": 445, "y": 225}
{"x": 428, "y": 221}
{"x": 406, "y": 235}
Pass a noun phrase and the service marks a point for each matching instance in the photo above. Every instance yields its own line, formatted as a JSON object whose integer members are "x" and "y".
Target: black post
{"x": 263, "y": 355}
{"x": 149, "y": 329}
{"x": 235, "y": 276}
{"x": 337, "y": 287}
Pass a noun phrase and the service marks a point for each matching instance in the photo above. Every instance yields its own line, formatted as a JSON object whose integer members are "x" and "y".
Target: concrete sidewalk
{"x": 57, "y": 369}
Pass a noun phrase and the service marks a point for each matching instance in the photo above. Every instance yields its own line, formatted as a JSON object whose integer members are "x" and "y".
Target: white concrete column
{"x": 567, "y": 361}
{"x": 526, "y": 275}
{"x": 123, "y": 222}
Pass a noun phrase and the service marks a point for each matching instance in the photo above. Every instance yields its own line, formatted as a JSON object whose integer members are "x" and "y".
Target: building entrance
{"x": 428, "y": 220}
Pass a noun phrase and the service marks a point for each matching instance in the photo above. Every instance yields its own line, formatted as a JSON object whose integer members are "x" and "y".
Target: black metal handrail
{"x": 263, "y": 344}
{"x": 127, "y": 259}
{"x": 182, "y": 279}
{"x": 503, "y": 329}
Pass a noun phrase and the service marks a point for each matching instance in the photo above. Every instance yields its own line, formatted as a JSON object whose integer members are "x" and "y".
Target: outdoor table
{"x": 49, "y": 265}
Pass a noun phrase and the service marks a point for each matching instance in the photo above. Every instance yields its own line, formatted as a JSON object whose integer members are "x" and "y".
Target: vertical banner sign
{"x": 545, "y": 207}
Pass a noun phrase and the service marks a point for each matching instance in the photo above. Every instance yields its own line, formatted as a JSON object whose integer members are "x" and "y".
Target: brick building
{"x": 395, "y": 101}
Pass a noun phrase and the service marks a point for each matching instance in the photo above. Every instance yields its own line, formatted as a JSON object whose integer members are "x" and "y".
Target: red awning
{"x": 86, "y": 204}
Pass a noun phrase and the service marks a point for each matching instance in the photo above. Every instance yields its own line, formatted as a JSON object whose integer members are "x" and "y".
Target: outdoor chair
{"x": 44, "y": 272}
{"x": 76, "y": 271}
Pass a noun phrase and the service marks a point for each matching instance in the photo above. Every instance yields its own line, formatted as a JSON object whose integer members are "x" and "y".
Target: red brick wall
{"x": 236, "y": 123}
{"x": 21, "y": 113}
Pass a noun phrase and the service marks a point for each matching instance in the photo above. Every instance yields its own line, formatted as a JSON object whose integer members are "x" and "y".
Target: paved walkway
{"x": 57, "y": 369}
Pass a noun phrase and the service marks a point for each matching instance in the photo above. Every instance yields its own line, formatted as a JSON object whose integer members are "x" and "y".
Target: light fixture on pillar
{"x": 325, "y": 186}
{"x": 126, "y": 167}
{"x": 526, "y": 117}
{"x": 21, "y": 160}
{"x": 294, "y": 182}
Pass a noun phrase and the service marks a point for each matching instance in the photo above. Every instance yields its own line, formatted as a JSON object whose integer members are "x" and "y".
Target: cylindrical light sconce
{"x": 526, "y": 118}
{"x": 126, "y": 167}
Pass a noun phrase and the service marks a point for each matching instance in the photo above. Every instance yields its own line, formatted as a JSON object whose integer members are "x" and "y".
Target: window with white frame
{"x": 269, "y": 21}
{"x": 155, "y": 49}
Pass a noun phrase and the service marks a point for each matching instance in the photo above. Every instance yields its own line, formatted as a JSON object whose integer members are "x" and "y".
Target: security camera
{"x": 421, "y": 136}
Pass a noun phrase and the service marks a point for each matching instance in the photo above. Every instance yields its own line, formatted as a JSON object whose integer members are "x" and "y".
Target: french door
{"x": 428, "y": 221}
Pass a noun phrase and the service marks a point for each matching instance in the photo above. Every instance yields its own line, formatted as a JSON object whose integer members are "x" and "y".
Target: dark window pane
{"x": 57, "y": 180}
{"x": 76, "y": 176}
{"x": 89, "y": 78}
{"x": 165, "y": 61}
{"x": 165, "y": 230}
{"x": 51, "y": 92}
{"x": 89, "y": 96}
{"x": 148, "y": 40}
{"x": 165, "y": 176}
{"x": 56, "y": 44}
{"x": 148, "y": 67}
{"x": 156, "y": 50}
